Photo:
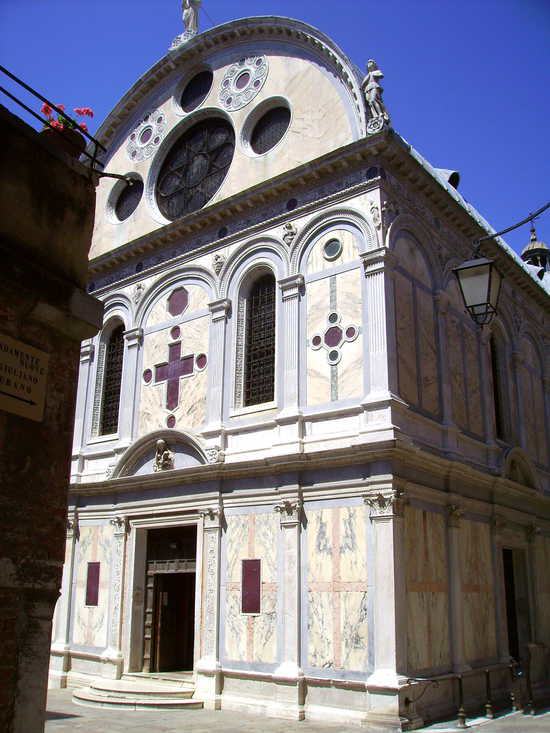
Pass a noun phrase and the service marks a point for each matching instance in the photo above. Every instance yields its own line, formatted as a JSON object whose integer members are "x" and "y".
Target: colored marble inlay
{"x": 333, "y": 336}
{"x": 177, "y": 302}
{"x": 171, "y": 371}
{"x": 175, "y": 333}
{"x": 171, "y": 422}
{"x": 147, "y": 376}
{"x": 202, "y": 361}
{"x": 316, "y": 341}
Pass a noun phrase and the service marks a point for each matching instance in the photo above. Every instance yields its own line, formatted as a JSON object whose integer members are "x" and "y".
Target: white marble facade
{"x": 373, "y": 489}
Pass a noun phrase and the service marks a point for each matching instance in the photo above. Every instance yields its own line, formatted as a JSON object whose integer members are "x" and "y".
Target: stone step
{"x": 105, "y": 699}
{"x": 140, "y": 688}
{"x": 176, "y": 678}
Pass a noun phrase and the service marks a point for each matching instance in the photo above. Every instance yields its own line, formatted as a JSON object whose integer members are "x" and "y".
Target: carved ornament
{"x": 290, "y": 510}
{"x": 290, "y": 233}
{"x": 215, "y": 455}
{"x": 387, "y": 505}
{"x": 164, "y": 458}
{"x": 454, "y": 515}
{"x": 218, "y": 261}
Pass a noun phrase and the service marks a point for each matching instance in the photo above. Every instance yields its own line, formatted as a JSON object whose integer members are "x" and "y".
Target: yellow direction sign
{"x": 23, "y": 373}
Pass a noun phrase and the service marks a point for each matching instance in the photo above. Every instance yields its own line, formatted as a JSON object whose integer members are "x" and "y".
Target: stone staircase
{"x": 139, "y": 691}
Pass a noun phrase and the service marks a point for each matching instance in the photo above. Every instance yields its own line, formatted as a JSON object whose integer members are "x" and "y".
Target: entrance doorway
{"x": 517, "y": 601}
{"x": 170, "y": 602}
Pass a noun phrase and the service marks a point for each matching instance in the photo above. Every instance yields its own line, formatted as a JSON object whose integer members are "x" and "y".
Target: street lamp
{"x": 480, "y": 282}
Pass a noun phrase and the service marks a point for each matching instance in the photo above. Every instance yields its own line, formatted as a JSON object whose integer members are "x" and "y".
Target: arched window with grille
{"x": 259, "y": 342}
{"x": 109, "y": 380}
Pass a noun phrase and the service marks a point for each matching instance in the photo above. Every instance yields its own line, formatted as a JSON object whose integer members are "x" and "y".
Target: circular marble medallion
{"x": 147, "y": 136}
{"x": 242, "y": 82}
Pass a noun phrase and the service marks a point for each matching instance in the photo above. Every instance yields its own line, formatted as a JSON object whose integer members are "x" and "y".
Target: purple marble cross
{"x": 170, "y": 371}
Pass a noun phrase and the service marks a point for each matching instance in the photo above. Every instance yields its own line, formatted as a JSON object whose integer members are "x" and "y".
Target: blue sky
{"x": 467, "y": 83}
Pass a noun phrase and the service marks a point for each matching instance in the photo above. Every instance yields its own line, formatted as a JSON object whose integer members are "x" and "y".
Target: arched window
{"x": 500, "y": 388}
{"x": 259, "y": 357}
{"x": 112, "y": 378}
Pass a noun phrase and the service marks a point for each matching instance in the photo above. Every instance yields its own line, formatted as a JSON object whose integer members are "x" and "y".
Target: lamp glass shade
{"x": 479, "y": 282}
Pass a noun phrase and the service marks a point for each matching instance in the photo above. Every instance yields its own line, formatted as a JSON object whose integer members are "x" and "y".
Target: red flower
{"x": 57, "y": 125}
{"x": 46, "y": 110}
{"x": 61, "y": 107}
{"x": 83, "y": 126}
{"x": 84, "y": 111}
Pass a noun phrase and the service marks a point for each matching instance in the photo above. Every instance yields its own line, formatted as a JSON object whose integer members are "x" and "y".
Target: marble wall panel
{"x": 473, "y": 387}
{"x": 191, "y": 410}
{"x": 477, "y": 589}
{"x": 349, "y": 305}
{"x": 456, "y": 369}
{"x": 350, "y": 251}
{"x": 198, "y": 299}
{"x": 411, "y": 259}
{"x": 427, "y": 351}
{"x": 251, "y": 638}
{"x": 91, "y": 622}
{"x": 428, "y": 643}
{"x": 318, "y": 370}
{"x": 406, "y": 345}
{"x": 337, "y": 632}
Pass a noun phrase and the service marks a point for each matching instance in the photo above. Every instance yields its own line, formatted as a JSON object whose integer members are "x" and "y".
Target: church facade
{"x": 300, "y": 471}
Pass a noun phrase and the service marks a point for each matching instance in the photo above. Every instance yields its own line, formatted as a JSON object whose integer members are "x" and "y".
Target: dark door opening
{"x": 169, "y": 632}
{"x": 517, "y": 602}
{"x": 174, "y": 618}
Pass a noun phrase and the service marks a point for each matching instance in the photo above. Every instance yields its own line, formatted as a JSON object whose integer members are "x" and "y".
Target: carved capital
{"x": 72, "y": 526}
{"x": 290, "y": 286}
{"x": 290, "y": 511}
{"x": 215, "y": 454}
{"x": 377, "y": 260}
{"x": 220, "y": 309}
{"x": 120, "y": 525}
{"x": 532, "y": 531}
{"x": 498, "y": 523}
{"x": 454, "y": 515}
{"x": 212, "y": 517}
{"x": 386, "y": 505}
{"x": 87, "y": 351}
{"x": 133, "y": 337}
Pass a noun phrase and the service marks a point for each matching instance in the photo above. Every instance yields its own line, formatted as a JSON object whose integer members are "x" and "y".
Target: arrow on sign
{"x": 21, "y": 399}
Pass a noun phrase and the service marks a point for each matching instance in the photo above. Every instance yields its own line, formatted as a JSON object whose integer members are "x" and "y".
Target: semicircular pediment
{"x": 158, "y": 452}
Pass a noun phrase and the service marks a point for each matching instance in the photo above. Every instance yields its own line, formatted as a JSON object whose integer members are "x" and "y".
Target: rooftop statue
{"x": 190, "y": 10}
{"x": 373, "y": 95}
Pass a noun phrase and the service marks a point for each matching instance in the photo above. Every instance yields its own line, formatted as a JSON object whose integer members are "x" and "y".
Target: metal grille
{"x": 195, "y": 168}
{"x": 129, "y": 198}
{"x": 112, "y": 381}
{"x": 196, "y": 91}
{"x": 259, "y": 376}
{"x": 270, "y": 129}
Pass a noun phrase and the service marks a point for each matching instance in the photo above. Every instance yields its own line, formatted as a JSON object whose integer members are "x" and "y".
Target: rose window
{"x": 195, "y": 168}
{"x": 242, "y": 82}
{"x": 147, "y": 136}
{"x": 334, "y": 337}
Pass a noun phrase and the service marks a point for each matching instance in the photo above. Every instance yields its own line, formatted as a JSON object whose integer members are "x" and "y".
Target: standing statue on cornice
{"x": 190, "y": 10}
{"x": 373, "y": 95}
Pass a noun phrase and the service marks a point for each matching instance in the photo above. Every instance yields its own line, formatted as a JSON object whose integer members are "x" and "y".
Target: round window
{"x": 269, "y": 129}
{"x": 196, "y": 90}
{"x": 128, "y": 199}
{"x": 195, "y": 168}
{"x": 332, "y": 249}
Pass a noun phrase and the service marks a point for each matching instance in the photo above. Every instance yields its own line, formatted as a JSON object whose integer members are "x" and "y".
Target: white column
{"x": 289, "y": 696}
{"x": 209, "y": 676}
{"x": 59, "y": 663}
{"x": 390, "y": 615}
{"x": 454, "y": 515}
{"x": 86, "y": 358}
{"x": 219, "y": 310}
{"x": 128, "y": 397}
{"x": 380, "y": 345}
{"x": 112, "y": 657}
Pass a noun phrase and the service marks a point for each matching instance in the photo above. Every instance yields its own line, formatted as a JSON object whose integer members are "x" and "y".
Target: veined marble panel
{"x": 265, "y": 544}
{"x": 456, "y": 370}
{"x": 337, "y": 588}
{"x": 91, "y": 622}
{"x": 264, "y": 629}
{"x": 236, "y": 545}
{"x": 235, "y": 625}
{"x": 477, "y": 590}
{"x": 318, "y": 369}
{"x": 406, "y": 345}
{"x": 473, "y": 385}
{"x": 350, "y": 368}
{"x": 198, "y": 299}
{"x": 350, "y": 251}
{"x": 411, "y": 258}
{"x": 428, "y": 643}
{"x": 191, "y": 410}
{"x": 427, "y": 345}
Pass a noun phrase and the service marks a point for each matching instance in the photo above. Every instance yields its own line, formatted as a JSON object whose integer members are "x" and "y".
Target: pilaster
{"x": 390, "y": 618}
{"x": 59, "y": 664}
{"x": 454, "y": 516}
{"x": 451, "y": 431}
{"x": 289, "y": 696}
{"x": 112, "y": 657}
{"x": 133, "y": 339}
{"x": 219, "y": 311}
{"x": 209, "y": 676}
{"x": 534, "y": 539}
{"x": 87, "y": 351}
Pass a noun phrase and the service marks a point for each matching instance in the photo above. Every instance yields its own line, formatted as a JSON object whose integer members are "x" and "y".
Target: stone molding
{"x": 87, "y": 351}
{"x": 378, "y": 260}
{"x": 290, "y": 286}
{"x": 133, "y": 337}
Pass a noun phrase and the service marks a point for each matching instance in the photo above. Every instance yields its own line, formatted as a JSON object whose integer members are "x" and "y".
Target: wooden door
{"x": 174, "y": 622}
